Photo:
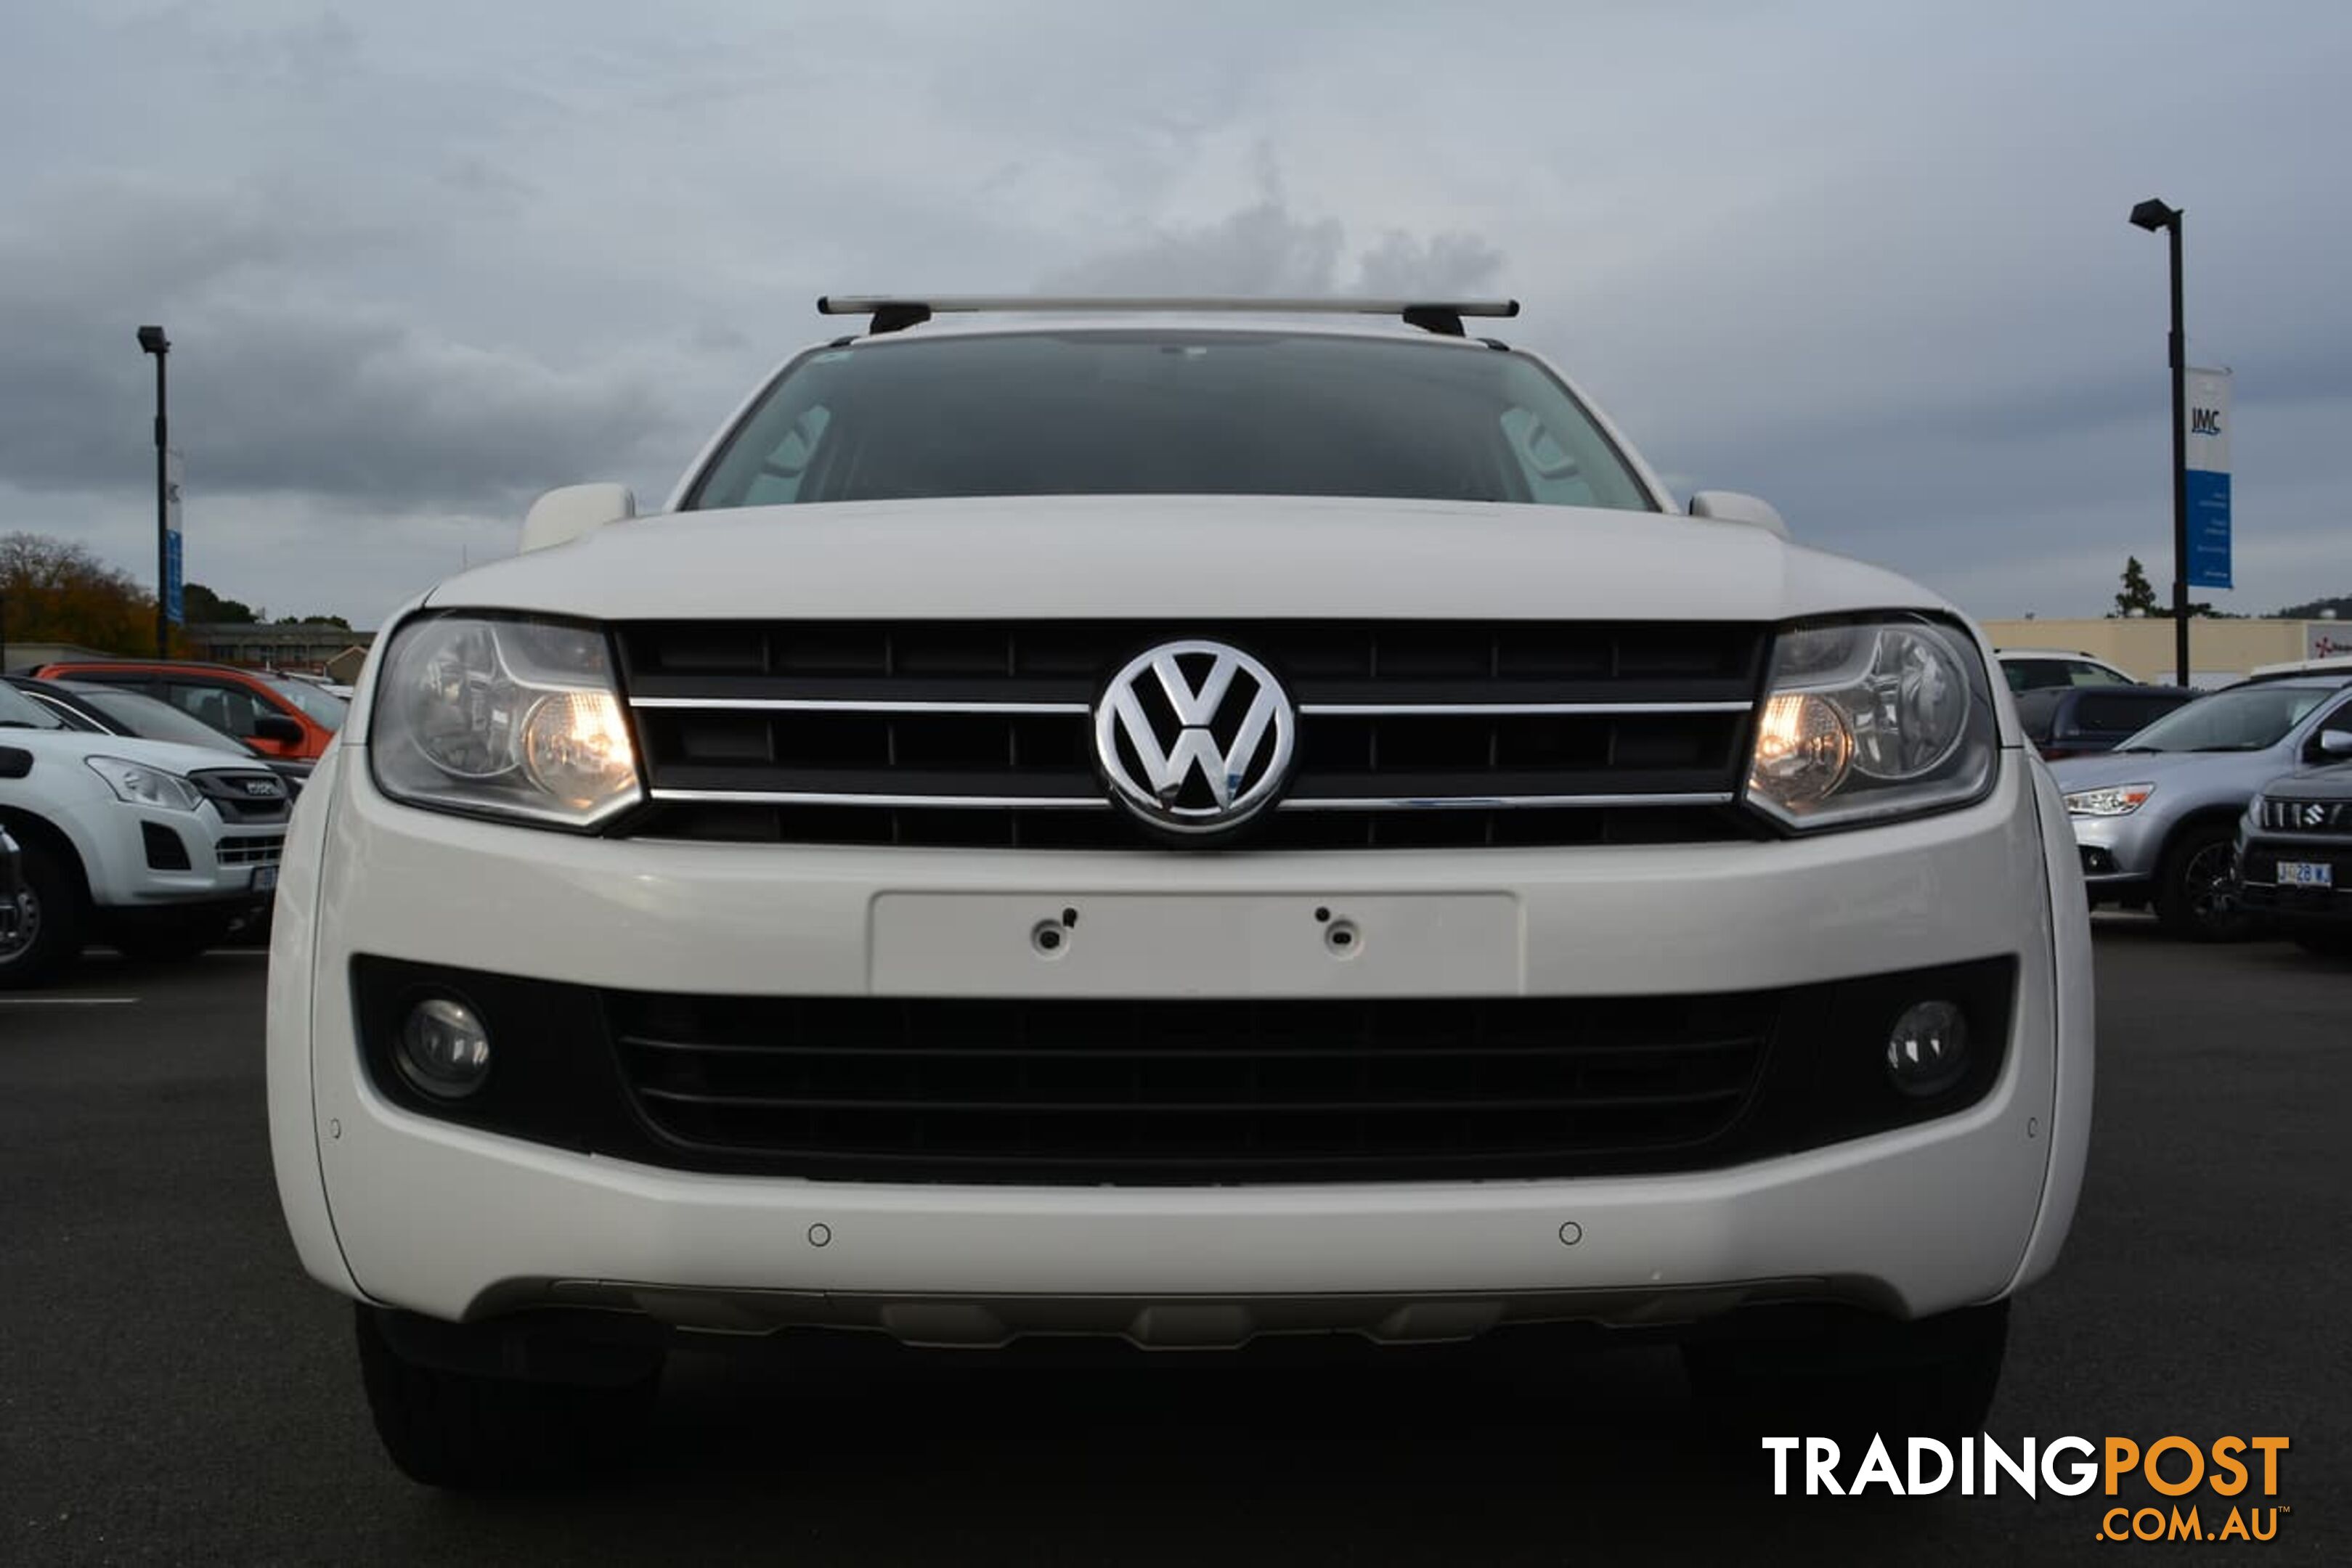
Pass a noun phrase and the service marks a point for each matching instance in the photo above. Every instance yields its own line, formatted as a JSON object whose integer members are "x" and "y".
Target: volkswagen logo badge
{"x": 1195, "y": 736}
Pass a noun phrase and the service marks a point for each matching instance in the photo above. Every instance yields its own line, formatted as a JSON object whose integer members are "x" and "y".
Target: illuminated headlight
{"x": 136, "y": 784}
{"x": 2110, "y": 800}
{"x": 1871, "y": 720}
{"x": 508, "y": 717}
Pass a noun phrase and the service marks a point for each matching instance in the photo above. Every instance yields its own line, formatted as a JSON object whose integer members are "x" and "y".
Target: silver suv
{"x": 2156, "y": 818}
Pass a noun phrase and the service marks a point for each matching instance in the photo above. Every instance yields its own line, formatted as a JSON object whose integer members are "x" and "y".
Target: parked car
{"x": 1172, "y": 827}
{"x": 152, "y": 848}
{"x": 2155, "y": 820}
{"x": 2083, "y": 721}
{"x": 2295, "y": 851}
{"x": 277, "y": 717}
{"x": 2034, "y": 669}
{"x": 15, "y": 907}
{"x": 119, "y": 710}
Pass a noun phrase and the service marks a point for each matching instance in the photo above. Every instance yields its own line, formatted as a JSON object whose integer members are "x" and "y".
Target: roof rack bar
{"x": 893, "y": 313}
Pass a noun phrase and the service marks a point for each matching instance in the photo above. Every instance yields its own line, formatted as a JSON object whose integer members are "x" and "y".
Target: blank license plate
{"x": 2306, "y": 873}
{"x": 1251, "y": 945}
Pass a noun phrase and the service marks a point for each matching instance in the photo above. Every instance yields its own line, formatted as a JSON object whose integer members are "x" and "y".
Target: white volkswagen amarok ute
{"x": 1175, "y": 821}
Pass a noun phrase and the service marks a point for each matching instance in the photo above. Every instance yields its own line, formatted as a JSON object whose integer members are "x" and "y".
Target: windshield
{"x": 1168, "y": 413}
{"x": 151, "y": 719}
{"x": 18, "y": 711}
{"x": 325, "y": 708}
{"x": 2247, "y": 719}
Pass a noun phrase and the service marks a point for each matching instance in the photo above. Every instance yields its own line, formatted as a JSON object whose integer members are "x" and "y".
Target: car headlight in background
{"x": 137, "y": 784}
{"x": 509, "y": 717}
{"x": 2108, "y": 800}
{"x": 1868, "y": 720}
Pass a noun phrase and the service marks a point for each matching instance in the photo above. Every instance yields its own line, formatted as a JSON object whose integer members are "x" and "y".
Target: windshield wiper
{"x": 2130, "y": 751}
{"x": 2236, "y": 746}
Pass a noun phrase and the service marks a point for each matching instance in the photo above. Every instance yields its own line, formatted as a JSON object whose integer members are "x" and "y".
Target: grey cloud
{"x": 293, "y": 397}
{"x": 420, "y": 258}
{"x": 1265, "y": 249}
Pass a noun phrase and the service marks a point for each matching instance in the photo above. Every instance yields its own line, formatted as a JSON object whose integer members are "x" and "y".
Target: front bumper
{"x": 418, "y": 1213}
{"x": 2118, "y": 855}
{"x": 224, "y": 864}
{"x": 2262, "y": 893}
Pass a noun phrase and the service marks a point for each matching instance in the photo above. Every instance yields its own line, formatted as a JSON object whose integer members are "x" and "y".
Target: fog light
{"x": 444, "y": 1048}
{"x": 1928, "y": 1049}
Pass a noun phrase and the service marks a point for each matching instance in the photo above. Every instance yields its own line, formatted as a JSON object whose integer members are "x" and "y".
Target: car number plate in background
{"x": 2306, "y": 874}
{"x": 1254, "y": 945}
{"x": 265, "y": 879}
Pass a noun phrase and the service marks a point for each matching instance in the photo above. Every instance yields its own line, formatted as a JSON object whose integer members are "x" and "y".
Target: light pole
{"x": 2153, "y": 214}
{"x": 152, "y": 342}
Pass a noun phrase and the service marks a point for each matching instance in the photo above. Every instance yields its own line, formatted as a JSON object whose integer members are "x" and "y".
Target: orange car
{"x": 279, "y": 715}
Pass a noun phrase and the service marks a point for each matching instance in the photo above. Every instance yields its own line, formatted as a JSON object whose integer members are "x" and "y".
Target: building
{"x": 2219, "y": 650}
{"x": 311, "y": 648}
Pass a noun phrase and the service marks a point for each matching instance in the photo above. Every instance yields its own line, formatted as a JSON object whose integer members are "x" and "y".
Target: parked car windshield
{"x": 325, "y": 708}
{"x": 18, "y": 711}
{"x": 151, "y": 719}
{"x": 2034, "y": 675}
{"x": 1167, "y": 412}
{"x": 2245, "y": 719}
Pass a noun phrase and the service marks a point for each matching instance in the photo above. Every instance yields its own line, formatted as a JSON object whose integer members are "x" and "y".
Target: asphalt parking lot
{"x": 172, "y": 1389}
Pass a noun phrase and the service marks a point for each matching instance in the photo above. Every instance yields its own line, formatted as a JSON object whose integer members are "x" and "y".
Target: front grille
{"x": 251, "y": 851}
{"x": 1157, "y": 1091}
{"x": 1409, "y": 733}
{"x": 243, "y": 796}
{"x": 2307, "y": 816}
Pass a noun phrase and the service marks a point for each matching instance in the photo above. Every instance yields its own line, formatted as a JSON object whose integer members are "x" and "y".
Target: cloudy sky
{"x": 1868, "y": 260}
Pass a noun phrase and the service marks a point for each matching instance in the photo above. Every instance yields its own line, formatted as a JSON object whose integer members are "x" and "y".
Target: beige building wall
{"x": 2217, "y": 649}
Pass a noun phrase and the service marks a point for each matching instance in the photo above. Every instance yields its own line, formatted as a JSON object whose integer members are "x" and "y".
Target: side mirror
{"x": 562, "y": 516}
{"x": 1731, "y": 506}
{"x": 2336, "y": 742}
{"x": 278, "y": 728}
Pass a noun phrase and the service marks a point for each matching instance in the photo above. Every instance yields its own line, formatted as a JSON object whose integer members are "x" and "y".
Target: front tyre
{"x": 50, "y": 911}
{"x": 1931, "y": 1378}
{"x": 2197, "y": 887}
{"x": 469, "y": 1431}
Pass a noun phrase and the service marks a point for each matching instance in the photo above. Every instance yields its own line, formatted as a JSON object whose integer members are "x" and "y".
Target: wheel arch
{"x": 2194, "y": 821}
{"x": 31, "y": 829}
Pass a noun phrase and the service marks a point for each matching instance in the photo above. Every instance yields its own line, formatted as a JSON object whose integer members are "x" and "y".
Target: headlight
{"x": 1867, "y": 721}
{"x": 140, "y": 785}
{"x": 2112, "y": 801}
{"x": 515, "y": 719}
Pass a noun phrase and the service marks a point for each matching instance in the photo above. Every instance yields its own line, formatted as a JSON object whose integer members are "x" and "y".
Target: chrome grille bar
{"x": 852, "y": 705}
{"x": 1500, "y": 802}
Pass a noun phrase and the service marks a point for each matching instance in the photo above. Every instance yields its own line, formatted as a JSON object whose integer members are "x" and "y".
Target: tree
{"x": 205, "y": 607}
{"x": 58, "y": 591}
{"x": 2136, "y": 593}
{"x": 313, "y": 620}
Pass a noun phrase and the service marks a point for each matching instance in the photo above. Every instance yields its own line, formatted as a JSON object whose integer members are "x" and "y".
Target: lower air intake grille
{"x": 1211, "y": 1091}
